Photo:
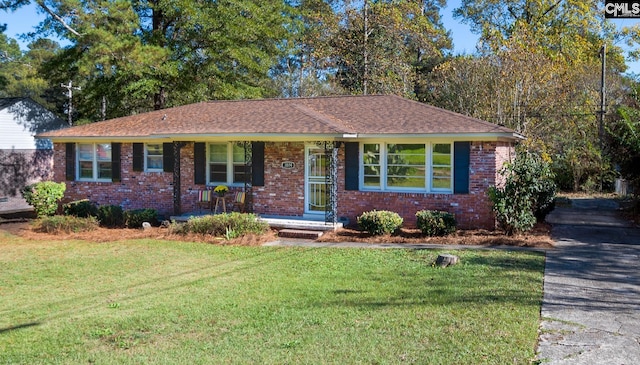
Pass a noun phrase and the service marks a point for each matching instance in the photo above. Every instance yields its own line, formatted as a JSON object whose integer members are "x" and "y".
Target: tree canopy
{"x": 536, "y": 69}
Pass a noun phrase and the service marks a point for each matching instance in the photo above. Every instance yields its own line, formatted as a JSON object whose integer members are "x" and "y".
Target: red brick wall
{"x": 471, "y": 210}
{"x": 136, "y": 190}
{"x": 283, "y": 190}
{"x": 283, "y": 193}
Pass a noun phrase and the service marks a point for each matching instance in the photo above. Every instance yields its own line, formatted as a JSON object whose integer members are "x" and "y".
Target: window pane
{"x": 442, "y": 183}
{"x": 239, "y": 173}
{"x": 238, "y": 154}
{"x": 86, "y": 170}
{"x": 406, "y": 165}
{"x": 85, "y": 152}
{"x": 372, "y": 181}
{"x": 103, "y": 152}
{"x": 218, "y": 173}
{"x": 154, "y": 150}
{"x": 442, "y": 148}
{"x": 371, "y": 164}
{"x": 406, "y": 182}
{"x": 218, "y": 153}
{"x": 154, "y": 162}
{"x": 441, "y": 166}
{"x": 104, "y": 170}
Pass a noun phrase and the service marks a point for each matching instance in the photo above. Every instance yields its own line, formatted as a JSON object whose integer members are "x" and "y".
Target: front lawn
{"x": 151, "y": 301}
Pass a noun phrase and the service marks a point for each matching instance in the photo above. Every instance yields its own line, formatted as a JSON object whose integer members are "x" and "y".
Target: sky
{"x": 464, "y": 42}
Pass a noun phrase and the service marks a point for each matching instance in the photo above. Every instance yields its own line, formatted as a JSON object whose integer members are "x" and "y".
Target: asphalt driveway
{"x": 591, "y": 306}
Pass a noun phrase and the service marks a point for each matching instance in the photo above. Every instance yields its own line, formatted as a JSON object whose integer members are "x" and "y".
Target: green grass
{"x": 145, "y": 301}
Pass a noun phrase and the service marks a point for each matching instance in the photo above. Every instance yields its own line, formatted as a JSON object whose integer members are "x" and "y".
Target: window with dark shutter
{"x": 115, "y": 162}
{"x": 351, "y": 165}
{"x": 257, "y": 163}
{"x": 462, "y": 157}
{"x": 70, "y": 158}
{"x": 199, "y": 163}
{"x": 138, "y": 156}
{"x": 167, "y": 157}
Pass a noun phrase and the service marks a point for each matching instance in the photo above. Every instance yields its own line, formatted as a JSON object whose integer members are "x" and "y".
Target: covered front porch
{"x": 287, "y": 226}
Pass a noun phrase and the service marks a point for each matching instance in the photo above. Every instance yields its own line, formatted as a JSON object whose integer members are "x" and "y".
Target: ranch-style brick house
{"x": 324, "y": 158}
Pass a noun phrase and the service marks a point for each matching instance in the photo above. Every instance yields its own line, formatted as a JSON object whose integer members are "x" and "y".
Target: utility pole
{"x": 70, "y": 89}
{"x": 365, "y": 52}
{"x": 603, "y": 56}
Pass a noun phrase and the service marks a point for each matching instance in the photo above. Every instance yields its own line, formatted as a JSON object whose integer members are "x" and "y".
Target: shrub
{"x": 230, "y": 226}
{"x": 81, "y": 208}
{"x": 111, "y": 216}
{"x": 379, "y": 222}
{"x": 44, "y": 197}
{"x": 65, "y": 224}
{"x": 134, "y": 218}
{"x": 528, "y": 192}
{"x": 436, "y": 223}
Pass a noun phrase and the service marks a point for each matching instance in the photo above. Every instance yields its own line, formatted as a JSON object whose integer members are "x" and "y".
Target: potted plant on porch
{"x": 221, "y": 190}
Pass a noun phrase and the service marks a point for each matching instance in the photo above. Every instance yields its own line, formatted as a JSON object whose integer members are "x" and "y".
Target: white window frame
{"x": 230, "y": 165}
{"x": 94, "y": 162}
{"x": 146, "y": 158}
{"x": 428, "y": 188}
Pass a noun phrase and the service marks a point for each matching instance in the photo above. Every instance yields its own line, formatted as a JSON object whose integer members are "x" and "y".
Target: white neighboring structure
{"x": 23, "y": 158}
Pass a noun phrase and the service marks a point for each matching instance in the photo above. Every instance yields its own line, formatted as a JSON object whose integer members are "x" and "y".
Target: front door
{"x": 315, "y": 180}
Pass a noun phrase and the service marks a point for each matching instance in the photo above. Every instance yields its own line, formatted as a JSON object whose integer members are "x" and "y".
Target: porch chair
{"x": 239, "y": 200}
{"x": 205, "y": 199}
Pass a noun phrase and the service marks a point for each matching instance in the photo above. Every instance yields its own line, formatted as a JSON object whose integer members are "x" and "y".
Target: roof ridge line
{"x": 324, "y": 118}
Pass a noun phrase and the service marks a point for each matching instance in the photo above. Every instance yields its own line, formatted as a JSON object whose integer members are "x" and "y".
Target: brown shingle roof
{"x": 338, "y": 115}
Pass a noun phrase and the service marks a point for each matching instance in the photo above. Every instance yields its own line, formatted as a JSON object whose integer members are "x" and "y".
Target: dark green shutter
{"x": 167, "y": 157}
{"x": 138, "y": 156}
{"x": 199, "y": 163}
{"x": 351, "y": 166}
{"x": 115, "y": 162}
{"x": 257, "y": 163}
{"x": 462, "y": 154}
{"x": 70, "y": 158}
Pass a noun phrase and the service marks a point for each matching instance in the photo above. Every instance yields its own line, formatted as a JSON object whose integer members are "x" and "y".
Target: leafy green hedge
{"x": 80, "y": 208}
{"x": 44, "y": 197}
{"x": 379, "y": 222}
{"x": 111, "y": 216}
{"x": 134, "y": 218}
{"x": 230, "y": 226}
{"x": 436, "y": 223}
{"x": 527, "y": 195}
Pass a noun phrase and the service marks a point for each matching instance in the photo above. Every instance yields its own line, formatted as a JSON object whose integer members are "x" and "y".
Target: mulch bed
{"x": 539, "y": 237}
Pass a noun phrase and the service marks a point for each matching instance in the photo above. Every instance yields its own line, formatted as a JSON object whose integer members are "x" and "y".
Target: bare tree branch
{"x": 57, "y": 17}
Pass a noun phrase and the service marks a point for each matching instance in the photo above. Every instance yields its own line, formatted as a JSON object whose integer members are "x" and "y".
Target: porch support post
{"x": 331, "y": 179}
{"x": 177, "y": 191}
{"x": 248, "y": 176}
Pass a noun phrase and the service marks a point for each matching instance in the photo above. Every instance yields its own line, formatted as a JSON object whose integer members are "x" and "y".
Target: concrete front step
{"x": 299, "y": 233}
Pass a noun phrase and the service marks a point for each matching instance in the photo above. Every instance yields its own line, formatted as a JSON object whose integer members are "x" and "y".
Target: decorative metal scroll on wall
{"x": 331, "y": 181}
{"x": 248, "y": 174}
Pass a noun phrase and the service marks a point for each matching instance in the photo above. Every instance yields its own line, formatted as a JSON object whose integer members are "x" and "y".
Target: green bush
{"x": 379, "y": 222}
{"x": 111, "y": 216}
{"x": 44, "y": 197}
{"x": 230, "y": 226}
{"x": 529, "y": 192}
{"x": 436, "y": 223}
{"x": 134, "y": 218}
{"x": 81, "y": 208}
{"x": 65, "y": 224}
